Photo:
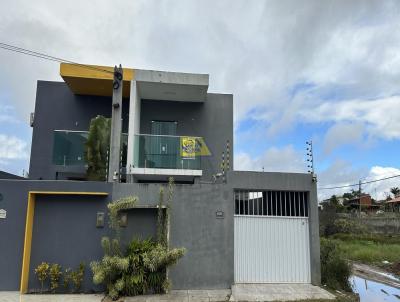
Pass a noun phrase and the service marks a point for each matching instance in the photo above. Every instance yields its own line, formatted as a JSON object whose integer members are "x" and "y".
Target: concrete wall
{"x": 57, "y": 108}
{"x": 65, "y": 229}
{"x": 65, "y": 232}
{"x": 208, "y": 262}
{"x": 12, "y": 229}
{"x": 381, "y": 225}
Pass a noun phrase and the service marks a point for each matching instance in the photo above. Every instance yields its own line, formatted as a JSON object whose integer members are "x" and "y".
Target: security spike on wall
{"x": 107, "y": 163}
{"x": 223, "y": 166}
{"x": 310, "y": 160}
{"x": 228, "y": 151}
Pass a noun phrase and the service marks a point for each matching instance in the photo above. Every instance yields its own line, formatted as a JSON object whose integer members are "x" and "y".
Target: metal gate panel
{"x": 271, "y": 249}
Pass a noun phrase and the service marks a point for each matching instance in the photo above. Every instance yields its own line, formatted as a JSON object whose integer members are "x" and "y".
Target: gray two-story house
{"x": 238, "y": 227}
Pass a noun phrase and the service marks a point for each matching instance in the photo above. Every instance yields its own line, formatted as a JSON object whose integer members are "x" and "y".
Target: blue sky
{"x": 322, "y": 70}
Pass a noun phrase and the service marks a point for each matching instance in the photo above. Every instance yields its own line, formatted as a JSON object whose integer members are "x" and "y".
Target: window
{"x": 271, "y": 203}
{"x": 163, "y": 147}
{"x": 163, "y": 127}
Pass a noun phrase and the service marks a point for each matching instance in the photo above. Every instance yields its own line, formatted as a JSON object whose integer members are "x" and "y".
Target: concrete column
{"x": 116, "y": 126}
{"x": 134, "y": 128}
{"x": 315, "y": 260}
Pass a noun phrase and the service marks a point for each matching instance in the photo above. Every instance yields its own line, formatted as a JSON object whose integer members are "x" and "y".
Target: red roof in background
{"x": 394, "y": 200}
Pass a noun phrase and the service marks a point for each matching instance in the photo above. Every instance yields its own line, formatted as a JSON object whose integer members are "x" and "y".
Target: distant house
{"x": 6, "y": 175}
{"x": 364, "y": 199}
{"x": 366, "y": 203}
{"x": 394, "y": 204}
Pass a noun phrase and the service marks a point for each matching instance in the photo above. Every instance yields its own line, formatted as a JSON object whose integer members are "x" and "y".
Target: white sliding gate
{"x": 271, "y": 237}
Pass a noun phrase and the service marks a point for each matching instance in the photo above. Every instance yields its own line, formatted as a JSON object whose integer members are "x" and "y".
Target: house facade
{"x": 237, "y": 226}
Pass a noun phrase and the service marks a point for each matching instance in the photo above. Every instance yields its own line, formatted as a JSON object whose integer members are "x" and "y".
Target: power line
{"x": 44, "y": 56}
{"x": 357, "y": 184}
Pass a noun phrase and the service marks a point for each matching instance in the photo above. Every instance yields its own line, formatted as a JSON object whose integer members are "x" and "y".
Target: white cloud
{"x": 342, "y": 173}
{"x": 381, "y": 188}
{"x": 282, "y": 43}
{"x": 379, "y": 117}
{"x": 12, "y": 147}
{"x": 341, "y": 134}
{"x": 285, "y": 159}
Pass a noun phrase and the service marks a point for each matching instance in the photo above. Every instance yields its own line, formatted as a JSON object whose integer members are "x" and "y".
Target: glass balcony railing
{"x": 163, "y": 152}
{"x": 151, "y": 151}
{"x": 69, "y": 148}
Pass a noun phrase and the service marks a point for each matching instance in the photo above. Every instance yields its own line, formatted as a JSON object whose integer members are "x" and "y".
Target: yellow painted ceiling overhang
{"x": 93, "y": 79}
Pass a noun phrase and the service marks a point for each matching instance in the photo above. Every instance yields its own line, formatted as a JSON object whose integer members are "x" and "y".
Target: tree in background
{"x": 395, "y": 191}
{"x": 333, "y": 200}
{"x": 96, "y": 148}
{"x": 351, "y": 195}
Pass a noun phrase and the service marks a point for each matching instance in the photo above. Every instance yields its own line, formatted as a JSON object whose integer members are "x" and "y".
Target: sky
{"x": 326, "y": 71}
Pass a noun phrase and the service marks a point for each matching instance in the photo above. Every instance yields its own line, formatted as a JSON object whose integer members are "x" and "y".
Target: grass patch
{"x": 369, "y": 251}
{"x": 376, "y": 238}
{"x": 368, "y": 248}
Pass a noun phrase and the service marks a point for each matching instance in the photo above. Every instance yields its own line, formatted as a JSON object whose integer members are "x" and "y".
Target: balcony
{"x": 69, "y": 148}
{"x": 161, "y": 155}
{"x": 154, "y": 156}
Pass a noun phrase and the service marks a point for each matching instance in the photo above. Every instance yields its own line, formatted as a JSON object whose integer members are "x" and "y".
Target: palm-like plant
{"x": 96, "y": 148}
{"x": 395, "y": 191}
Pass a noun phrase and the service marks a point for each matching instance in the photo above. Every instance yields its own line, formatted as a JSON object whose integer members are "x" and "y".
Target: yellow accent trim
{"x": 26, "y": 256}
{"x": 93, "y": 71}
{"x": 91, "y": 80}
{"x": 68, "y": 193}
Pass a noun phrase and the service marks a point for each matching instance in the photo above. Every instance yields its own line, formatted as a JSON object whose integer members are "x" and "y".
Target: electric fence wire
{"x": 44, "y": 56}
{"x": 357, "y": 184}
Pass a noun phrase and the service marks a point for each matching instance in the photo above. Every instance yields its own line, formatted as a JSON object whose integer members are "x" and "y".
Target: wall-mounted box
{"x": 100, "y": 220}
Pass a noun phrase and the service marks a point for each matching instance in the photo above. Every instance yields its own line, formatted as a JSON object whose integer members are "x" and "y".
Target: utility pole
{"x": 116, "y": 126}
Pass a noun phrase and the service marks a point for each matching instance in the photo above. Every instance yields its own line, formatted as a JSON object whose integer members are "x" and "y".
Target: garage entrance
{"x": 271, "y": 242}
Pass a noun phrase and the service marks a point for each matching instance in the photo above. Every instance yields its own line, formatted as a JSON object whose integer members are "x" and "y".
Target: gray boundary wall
{"x": 64, "y": 229}
{"x": 65, "y": 232}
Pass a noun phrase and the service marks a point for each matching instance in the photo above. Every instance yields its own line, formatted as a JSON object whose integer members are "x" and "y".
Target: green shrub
{"x": 55, "y": 276}
{"x": 141, "y": 270}
{"x": 42, "y": 273}
{"x": 149, "y": 261}
{"x": 142, "y": 267}
{"x": 74, "y": 279}
{"x": 347, "y": 226}
{"x": 335, "y": 270}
